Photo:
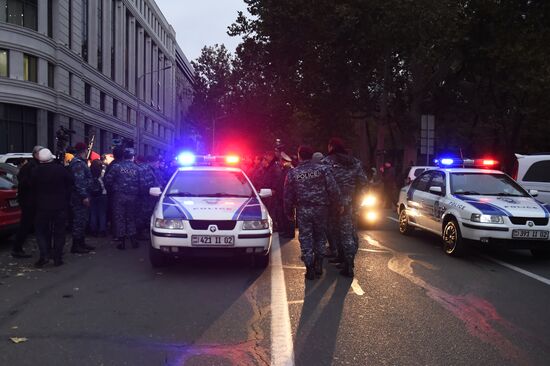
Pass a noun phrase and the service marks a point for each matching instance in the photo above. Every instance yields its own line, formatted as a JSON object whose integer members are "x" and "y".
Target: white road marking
{"x": 294, "y": 302}
{"x": 373, "y": 250}
{"x": 282, "y": 348}
{"x": 392, "y": 219}
{"x": 534, "y": 276}
{"x": 357, "y": 288}
{"x": 294, "y": 267}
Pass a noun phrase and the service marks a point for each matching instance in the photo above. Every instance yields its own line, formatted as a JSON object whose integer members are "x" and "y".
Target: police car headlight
{"x": 487, "y": 219}
{"x": 256, "y": 225}
{"x": 169, "y": 224}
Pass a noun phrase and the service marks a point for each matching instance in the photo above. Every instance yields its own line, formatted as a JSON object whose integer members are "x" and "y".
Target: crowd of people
{"x": 84, "y": 196}
{"x": 311, "y": 191}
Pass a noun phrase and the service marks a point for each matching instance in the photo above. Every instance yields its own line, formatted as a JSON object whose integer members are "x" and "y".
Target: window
{"x": 113, "y": 38}
{"x": 438, "y": 180}
{"x": 50, "y": 19}
{"x": 421, "y": 183}
{"x": 51, "y": 75}
{"x": 210, "y": 184}
{"x": 4, "y": 63}
{"x": 85, "y": 30}
{"x": 30, "y": 68}
{"x": 115, "y": 107}
{"x": 100, "y": 35}
{"x": 87, "y": 94}
{"x": 70, "y": 15}
{"x": 71, "y": 83}
{"x": 129, "y": 114}
{"x": 102, "y": 101}
{"x": 19, "y": 12}
{"x": 127, "y": 52}
{"x": 538, "y": 172}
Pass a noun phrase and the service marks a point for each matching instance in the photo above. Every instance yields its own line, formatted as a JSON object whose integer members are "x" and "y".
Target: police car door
{"x": 416, "y": 199}
{"x": 433, "y": 202}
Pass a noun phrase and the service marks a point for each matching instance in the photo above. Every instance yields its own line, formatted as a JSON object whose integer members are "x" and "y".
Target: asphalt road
{"x": 408, "y": 305}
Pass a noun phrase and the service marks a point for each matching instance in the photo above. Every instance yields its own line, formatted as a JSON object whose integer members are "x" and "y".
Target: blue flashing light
{"x": 447, "y": 161}
{"x": 186, "y": 159}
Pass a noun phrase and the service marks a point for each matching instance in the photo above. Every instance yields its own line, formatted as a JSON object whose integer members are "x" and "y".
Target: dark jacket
{"x": 25, "y": 194}
{"x": 82, "y": 178}
{"x": 52, "y": 185}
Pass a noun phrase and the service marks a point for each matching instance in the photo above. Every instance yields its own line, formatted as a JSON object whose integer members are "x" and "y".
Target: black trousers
{"x": 50, "y": 230}
{"x": 25, "y": 227}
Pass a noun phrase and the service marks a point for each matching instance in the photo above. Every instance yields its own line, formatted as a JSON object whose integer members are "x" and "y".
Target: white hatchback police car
{"x": 210, "y": 210}
{"x": 474, "y": 204}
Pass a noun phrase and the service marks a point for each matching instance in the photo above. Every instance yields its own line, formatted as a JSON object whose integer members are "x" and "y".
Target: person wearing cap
{"x": 51, "y": 184}
{"x": 26, "y": 202}
{"x": 317, "y": 157}
{"x": 80, "y": 198}
{"x": 124, "y": 182}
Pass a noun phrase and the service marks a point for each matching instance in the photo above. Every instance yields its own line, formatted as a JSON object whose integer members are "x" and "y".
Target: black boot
{"x": 318, "y": 265}
{"x": 122, "y": 245}
{"x": 348, "y": 268}
{"x": 77, "y": 247}
{"x": 337, "y": 260}
{"x": 86, "y": 246}
{"x": 310, "y": 272}
{"x": 41, "y": 262}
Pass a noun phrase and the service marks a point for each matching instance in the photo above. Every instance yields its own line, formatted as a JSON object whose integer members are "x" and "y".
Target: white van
{"x": 533, "y": 172}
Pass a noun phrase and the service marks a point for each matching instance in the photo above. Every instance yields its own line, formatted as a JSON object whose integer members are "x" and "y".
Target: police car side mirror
{"x": 533, "y": 192}
{"x": 436, "y": 190}
{"x": 155, "y": 191}
{"x": 265, "y": 193}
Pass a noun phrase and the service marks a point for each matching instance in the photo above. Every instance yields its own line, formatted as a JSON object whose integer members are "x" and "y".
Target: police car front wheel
{"x": 453, "y": 243}
{"x": 404, "y": 227}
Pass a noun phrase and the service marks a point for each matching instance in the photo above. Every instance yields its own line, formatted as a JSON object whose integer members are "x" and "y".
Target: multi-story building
{"x": 103, "y": 68}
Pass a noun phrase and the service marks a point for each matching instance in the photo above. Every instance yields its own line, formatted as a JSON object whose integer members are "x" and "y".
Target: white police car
{"x": 474, "y": 204}
{"x": 210, "y": 210}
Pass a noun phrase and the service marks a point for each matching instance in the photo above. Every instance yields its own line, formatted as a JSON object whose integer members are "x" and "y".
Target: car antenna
{"x": 461, "y": 157}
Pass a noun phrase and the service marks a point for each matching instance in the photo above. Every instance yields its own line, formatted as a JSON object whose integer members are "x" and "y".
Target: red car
{"x": 10, "y": 213}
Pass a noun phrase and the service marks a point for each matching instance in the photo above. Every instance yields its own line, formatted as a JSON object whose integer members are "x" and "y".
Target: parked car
{"x": 15, "y": 158}
{"x": 533, "y": 173}
{"x": 415, "y": 171}
{"x": 10, "y": 212}
{"x": 9, "y": 172}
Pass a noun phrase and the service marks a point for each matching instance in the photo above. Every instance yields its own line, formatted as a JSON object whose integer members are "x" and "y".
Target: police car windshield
{"x": 485, "y": 184}
{"x": 206, "y": 183}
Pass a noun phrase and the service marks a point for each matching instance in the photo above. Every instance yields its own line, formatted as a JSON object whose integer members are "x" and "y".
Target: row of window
{"x": 30, "y": 67}
{"x": 148, "y": 125}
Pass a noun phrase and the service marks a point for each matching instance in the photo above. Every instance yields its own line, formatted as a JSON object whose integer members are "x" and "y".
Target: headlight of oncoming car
{"x": 369, "y": 201}
{"x": 487, "y": 219}
{"x": 169, "y": 224}
{"x": 255, "y": 225}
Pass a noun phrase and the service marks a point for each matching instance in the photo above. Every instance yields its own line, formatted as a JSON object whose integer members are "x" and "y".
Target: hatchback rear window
{"x": 538, "y": 172}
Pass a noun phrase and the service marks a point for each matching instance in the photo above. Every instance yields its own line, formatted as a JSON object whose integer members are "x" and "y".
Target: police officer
{"x": 80, "y": 198}
{"x": 146, "y": 203}
{"x": 350, "y": 177}
{"x": 310, "y": 188}
{"x": 123, "y": 180}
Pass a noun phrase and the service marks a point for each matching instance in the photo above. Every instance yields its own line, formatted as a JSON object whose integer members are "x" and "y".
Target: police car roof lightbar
{"x": 189, "y": 159}
{"x": 470, "y": 163}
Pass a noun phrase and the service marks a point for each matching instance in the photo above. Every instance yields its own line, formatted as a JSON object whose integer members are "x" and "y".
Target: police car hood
{"x": 212, "y": 208}
{"x": 506, "y": 206}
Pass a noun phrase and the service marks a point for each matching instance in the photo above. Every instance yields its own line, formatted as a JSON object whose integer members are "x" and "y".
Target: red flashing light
{"x": 232, "y": 159}
{"x": 489, "y": 162}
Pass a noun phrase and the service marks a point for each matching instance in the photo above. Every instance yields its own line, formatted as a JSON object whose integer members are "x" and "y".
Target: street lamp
{"x": 138, "y": 102}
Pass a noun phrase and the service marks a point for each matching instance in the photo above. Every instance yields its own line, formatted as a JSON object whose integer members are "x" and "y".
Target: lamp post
{"x": 138, "y": 102}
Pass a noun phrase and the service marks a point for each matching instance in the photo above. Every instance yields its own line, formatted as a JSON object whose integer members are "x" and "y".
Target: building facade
{"x": 102, "y": 68}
